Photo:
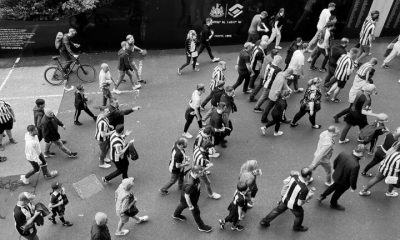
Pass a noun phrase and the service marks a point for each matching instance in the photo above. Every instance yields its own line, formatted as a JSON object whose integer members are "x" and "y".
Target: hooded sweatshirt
{"x": 38, "y": 114}
{"x": 124, "y": 64}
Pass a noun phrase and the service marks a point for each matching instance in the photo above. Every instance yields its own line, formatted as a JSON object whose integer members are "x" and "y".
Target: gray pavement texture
{"x": 160, "y": 122}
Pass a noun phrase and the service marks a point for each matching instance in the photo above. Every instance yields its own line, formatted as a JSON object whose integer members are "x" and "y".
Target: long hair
{"x": 190, "y": 34}
{"x": 249, "y": 166}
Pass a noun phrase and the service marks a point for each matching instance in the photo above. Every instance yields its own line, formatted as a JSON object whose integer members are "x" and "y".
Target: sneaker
{"x": 385, "y": 66}
{"x": 398, "y": 81}
{"x": 69, "y": 89}
{"x": 338, "y": 207}
{"x": 221, "y": 224}
{"x": 116, "y": 91}
{"x": 328, "y": 184}
{"x": 67, "y": 224}
{"x": 136, "y": 87}
{"x": 77, "y": 123}
{"x": 263, "y": 130}
{"x": 364, "y": 193}
{"x": 279, "y": 133}
{"x": 107, "y": 160}
{"x": 105, "y": 180}
{"x": 299, "y": 90}
{"x": 310, "y": 60}
{"x": 12, "y": 141}
{"x": 53, "y": 220}
{"x": 264, "y": 223}
{"x": 215, "y": 59}
{"x": 312, "y": 68}
{"x": 123, "y": 232}
{"x": 163, "y": 192}
{"x": 205, "y": 228}
{"x": 238, "y": 228}
{"x": 215, "y": 196}
{"x": 250, "y": 90}
{"x": 215, "y": 155}
{"x": 1, "y": 147}
{"x": 105, "y": 165}
{"x": 250, "y": 204}
{"x": 143, "y": 219}
{"x": 187, "y": 135}
{"x": 257, "y": 110}
{"x": 344, "y": 141}
{"x": 392, "y": 194}
{"x": 51, "y": 175}
{"x": 73, "y": 155}
{"x": 294, "y": 124}
{"x": 197, "y": 63}
{"x": 316, "y": 126}
{"x": 322, "y": 70}
{"x": 179, "y": 71}
{"x": 196, "y": 69}
{"x": 320, "y": 198}
{"x": 179, "y": 217}
{"x": 286, "y": 121}
{"x": 278, "y": 47}
{"x": 311, "y": 180}
{"x": 24, "y": 180}
{"x": 300, "y": 229}
{"x": 252, "y": 99}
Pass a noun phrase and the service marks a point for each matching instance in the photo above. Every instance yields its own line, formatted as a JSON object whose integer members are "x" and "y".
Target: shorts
{"x": 341, "y": 84}
{"x": 365, "y": 48}
{"x": 123, "y": 218}
{"x": 6, "y": 126}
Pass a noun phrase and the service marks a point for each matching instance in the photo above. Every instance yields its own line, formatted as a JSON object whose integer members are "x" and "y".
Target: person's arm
{"x": 261, "y": 27}
{"x": 30, "y": 221}
{"x": 188, "y": 201}
{"x": 353, "y": 177}
{"x": 127, "y": 64}
{"x": 59, "y": 123}
{"x": 131, "y": 110}
{"x": 120, "y": 151}
{"x": 325, "y": 149}
{"x": 137, "y": 48}
{"x": 326, "y": 41}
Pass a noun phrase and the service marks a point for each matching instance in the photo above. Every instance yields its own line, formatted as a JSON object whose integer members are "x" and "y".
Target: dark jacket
{"x": 37, "y": 116}
{"x": 205, "y": 33}
{"x": 50, "y": 128}
{"x": 336, "y": 51}
{"x": 279, "y": 109}
{"x": 80, "y": 100}
{"x": 292, "y": 48}
{"x": 230, "y": 103}
{"x": 99, "y": 232}
{"x": 124, "y": 64}
{"x": 346, "y": 168}
{"x": 216, "y": 96}
{"x": 116, "y": 116}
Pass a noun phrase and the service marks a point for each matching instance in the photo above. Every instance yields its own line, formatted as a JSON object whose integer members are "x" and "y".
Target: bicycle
{"x": 55, "y": 75}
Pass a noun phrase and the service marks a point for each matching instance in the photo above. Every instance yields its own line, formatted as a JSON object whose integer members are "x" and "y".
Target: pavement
{"x": 155, "y": 128}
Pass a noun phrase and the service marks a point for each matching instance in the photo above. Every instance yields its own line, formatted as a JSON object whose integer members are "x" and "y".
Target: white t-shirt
{"x": 297, "y": 62}
{"x": 195, "y": 100}
{"x": 32, "y": 148}
{"x": 323, "y": 18}
{"x": 325, "y": 43}
{"x": 104, "y": 79}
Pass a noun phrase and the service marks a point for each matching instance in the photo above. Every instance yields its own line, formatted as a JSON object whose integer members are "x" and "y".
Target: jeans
{"x": 104, "y": 147}
{"x": 318, "y": 53}
{"x": 189, "y": 119}
{"x": 270, "y": 105}
{"x": 257, "y": 89}
{"x": 106, "y": 95}
{"x": 253, "y": 78}
{"x": 206, "y": 45}
{"x": 263, "y": 98}
{"x": 301, "y": 113}
{"x": 378, "y": 157}
{"x": 346, "y": 130}
{"x": 59, "y": 144}
{"x": 208, "y": 114}
{"x": 122, "y": 168}
{"x": 36, "y": 167}
{"x": 175, "y": 177}
{"x": 188, "y": 58}
{"x": 275, "y": 121}
{"x": 337, "y": 190}
{"x": 343, "y": 112}
{"x": 395, "y": 52}
{"x": 78, "y": 113}
{"x": 242, "y": 76}
{"x": 326, "y": 165}
{"x": 331, "y": 71}
{"x": 121, "y": 77}
{"x": 195, "y": 213}
{"x": 281, "y": 208}
{"x": 204, "y": 178}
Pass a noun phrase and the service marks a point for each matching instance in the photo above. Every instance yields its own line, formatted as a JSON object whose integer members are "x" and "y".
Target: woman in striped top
{"x": 7, "y": 119}
{"x": 191, "y": 52}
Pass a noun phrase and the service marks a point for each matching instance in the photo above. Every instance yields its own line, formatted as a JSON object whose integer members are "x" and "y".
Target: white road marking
{"x": 9, "y": 74}
{"x": 60, "y": 95}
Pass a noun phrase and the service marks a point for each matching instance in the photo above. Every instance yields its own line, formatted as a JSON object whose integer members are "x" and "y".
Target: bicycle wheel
{"x": 86, "y": 73}
{"x": 54, "y": 76}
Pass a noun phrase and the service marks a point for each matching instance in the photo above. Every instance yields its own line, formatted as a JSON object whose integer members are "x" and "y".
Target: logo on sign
{"x": 235, "y": 10}
{"x": 217, "y": 11}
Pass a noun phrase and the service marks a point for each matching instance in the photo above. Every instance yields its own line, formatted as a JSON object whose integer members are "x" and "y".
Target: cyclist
{"x": 67, "y": 54}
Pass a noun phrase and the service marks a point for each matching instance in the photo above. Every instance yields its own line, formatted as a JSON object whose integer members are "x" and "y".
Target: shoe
{"x": 24, "y": 180}
{"x": 238, "y": 228}
{"x": 142, "y": 81}
{"x": 77, "y": 123}
{"x": 105, "y": 165}
{"x": 264, "y": 223}
{"x": 223, "y": 145}
{"x": 310, "y": 60}
{"x": 215, "y": 59}
{"x": 205, "y": 228}
{"x": 364, "y": 193}
{"x": 344, "y": 141}
{"x": 107, "y": 160}
{"x": 398, "y": 81}
{"x": 73, "y": 155}
{"x": 328, "y": 184}
{"x": 335, "y": 119}
{"x": 116, "y": 91}
{"x": 143, "y": 219}
{"x": 1, "y": 147}
{"x": 53, "y": 220}
{"x": 123, "y": 232}
{"x": 312, "y": 68}
{"x": 163, "y": 192}
{"x": 51, "y": 175}
{"x": 366, "y": 174}
{"x": 278, "y": 47}
{"x": 221, "y": 224}
{"x": 392, "y": 194}
{"x": 263, "y": 130}
{"x": 196, "y": 69}
{"x": 309, "y": 51}
{"x": 385, "y": 66}
{"x": 187, "y": 135}
{"x": 67, "y": 224}
{"x": 179, "y": 217}
{"x": 257, "y": 110}
{"x": 252, "y": 99}
{"x": 95, "y": 118}
{"x": 299, "y": 90}
{"x": 48, "y": 154}
{"x": 197, "y": 63}
{"x": 311, "y": 180}
{"x": 320, "y": 198}
{"x": 63, "y": 142}
{"x": 300, "y": 229}
{"x": 215, "y": 155}
{"x": 136, "y": 87}
{"x": 338, "y": 207}
{"x": 286, "y": 121}
{"x": 69, "y": 89}
{"x": 104, "y": 180}
{"x": 316, "y": 126}
{"x": 322, "y": 70}
{"x": 294, "y": 124}
{"x": 179, "y": 71}
{"x": 215, "y": 196}
{"x": 12, "y": 141}
{"x": 335, "y": 100}
{"x": 250, "y": 204}
{"x": 277, "y": 134}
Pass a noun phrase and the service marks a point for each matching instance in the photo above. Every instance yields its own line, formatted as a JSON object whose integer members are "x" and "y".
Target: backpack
{"x": 58, "y": 40}
{"x": 368, "y": 132}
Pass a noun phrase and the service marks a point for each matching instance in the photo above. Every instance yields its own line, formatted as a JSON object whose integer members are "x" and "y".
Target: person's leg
{"x": 208, "y": 114}
{"x": 331, "y": 71}
{"x": 278, "y": 37}
{"x": 298, "y": 212}
{"x": 344, "y": 132}
{"x": 122, "y": 220}
{"x": 263, "y": 98}
{"x": 77, "y": 114}
{"x": 336, "y": 93}
{"x": 278, "y": 210}
{"x": 136, "y": 71}
{"x": 196, "y": 216}
{"x": 35, "y": 169}
{"x": 188, "y": 58}
{"x": 277, "y": 125}
{"x": 181, "y": 178}
{"x": 299, "y": 115}
{"x": 178, "y": 211}
{"x": 62, "y": 147}
{"x": 116, "y": 173}
{"x": 378, "y": 177}
{"x": 208, "y": 47}
{"x": 239, "y": 80}
{"x": 313, "y": 41}
{"x": 194, "y": 59}
{"x": 206, "y": 100}
{"x": 316, "y": 56}
{"x": 47, "y": 147}
{"x": 312, "y": 118}
{"x": 270, "y": 105}
{"x": 120, "y": 79}
{"x": 130, "y": 78}
{"x": 246, "y": 82}
{"x": 253, "y": 79}
{"x": 256, "y": 90}
{"x": 104, "y": 146}
{"x": 189, "y": 119}
{"x": 378, "y": 157}
{"x": 327, "y": 166}
{"x": 207, "y": 182}
{"x": 172, "y": 181}
{"x": 340, "y": 189}
{"x": 325, "y": 61}
{"x": 390, "y": 57}
{"x": 343, "y": 112}
{"x": 124, "y": 168}
{"x": 201, "y": 48}
{"x": 272, "y": 37}
{"x": 87, "y": 110}
{"x": 329, "y": 190}
{"x": 295, "y": 81}
{"x": 332, "y": 82}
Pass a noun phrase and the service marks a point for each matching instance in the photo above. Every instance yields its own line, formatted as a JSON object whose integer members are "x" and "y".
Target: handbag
{"x": 391, "y": 180}
{"x": 132, "y": 211}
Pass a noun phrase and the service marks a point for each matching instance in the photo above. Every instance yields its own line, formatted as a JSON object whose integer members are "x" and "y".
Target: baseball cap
{"x": 56, "y": 185}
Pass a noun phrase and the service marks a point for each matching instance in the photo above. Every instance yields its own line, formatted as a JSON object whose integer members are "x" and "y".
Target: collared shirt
{"x": 32, "y": 148}
{"x": 297, "y": 62}
{"x": 195, "y": 100}
{"x": 390, "y": 166}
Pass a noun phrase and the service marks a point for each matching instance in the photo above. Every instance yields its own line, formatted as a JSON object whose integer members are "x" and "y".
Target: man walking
{"x": 7, "y": 119}
{"x": 206, "y": 35}
{"x": 296, "y": 196}
{"x": 257, "y": 60}
{"x": 257, "y": 25}
{"x": 367, "y": 35}
{"x": 25, "y": 216}
{"x": 103, "y": 133}
{"x": 116, "y": 116}
{"x": 81, "y": 104}
{"x": 105, "y": 81}
{"x": 190, "y": 197}
{"x": 244, "y": 68}
{"x": 296, "y": 65}
{"x": 38, "y": 113}
{"x": 217, "y": 76}
{"x": 336, "y": 52}
{"x": 346, "y": 167}
{"x": 323, "y": 46}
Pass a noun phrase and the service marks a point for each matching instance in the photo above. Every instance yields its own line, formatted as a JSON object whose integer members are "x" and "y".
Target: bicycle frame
{"x": 72, "y": 66}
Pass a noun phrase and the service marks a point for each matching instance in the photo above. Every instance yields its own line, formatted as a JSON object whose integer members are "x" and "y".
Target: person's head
{"x": 264, "y": 38}
{"x": 220, "y": 84}
{"x": 397, "y": 132}
{"x": 353, "y": 53}
{"x": 124, "y": 45}
{"x": 80, "y": 88}
{"x": 40, "y": 103}
{"x": 114, "y": 102}
{"x": 221, "y": 107}
{"x": 288, "y": 73}
{"x": 263, "y": 44}
{"x": 207, "y": 131}
{"x": 201, "y": 88}
{"x": 373, "y": 61}
{"x": 303, "y": 46}
{"x": 332, "y": 19}
{"x": 48, "y": 113}
{"x": 382, "y": 117}
{"x": 25, "y": 198}
{"x": 344, "y": 42}
{"x": 314, "y": 82}
{"x": 222, "y": 65}
{"x": 330, "y": 25}
{"x": 72, "y": 32}
{"x": 359, "y": 150}
{"x": 299, "y": 41}
{"x": 249, "y": 166}
{"x": 369, "y": 89}
{"x": 196, "y": 171}
{"x": 306, "y": 173}
{"x": 105, "y": 67}
{"x": 127, "y": 184}
{"x": 241, "y": 187}
{"x": 55, "y": 186}
{"x": 32, "y": 130}
{"x": 230, "y": 91}
{"x": 191, "y": 34}
{"x": 277, "y": 61}
{"x": 281, "y": 12}
{"x": 182, "y": 142}
{"x": 375, "y": 15}
{"x": 130, "y": 39}
{"x": 119, "y": 129}
{"x": 331, "y": 6}
{"x": 248, "y": 46}
{"x": 333, "y": 130}
{"x": 209, "y": 21}
{"x": 263, "y": 14}
{"x": 100, "y": 218}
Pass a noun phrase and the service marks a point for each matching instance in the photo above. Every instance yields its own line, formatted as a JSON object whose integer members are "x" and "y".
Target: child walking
{"x": 57, "y": 204}
{"x": 236, "y": 208}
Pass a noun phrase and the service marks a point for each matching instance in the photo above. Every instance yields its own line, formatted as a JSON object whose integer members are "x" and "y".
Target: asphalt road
{"x": 160, "y": 122}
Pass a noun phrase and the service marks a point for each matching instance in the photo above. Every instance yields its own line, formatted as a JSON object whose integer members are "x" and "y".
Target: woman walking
{"x": 276, "y": 23}
{"x": 311, "y": 103}
{"x": 191, "y": 52}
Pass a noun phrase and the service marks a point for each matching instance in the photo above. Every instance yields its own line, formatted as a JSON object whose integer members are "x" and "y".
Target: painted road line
{"x": 9, "y": 74}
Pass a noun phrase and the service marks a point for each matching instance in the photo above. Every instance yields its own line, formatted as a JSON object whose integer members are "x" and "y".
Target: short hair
{"x": 249, "y": 166}
{"x": 344, "y": 40}
{"x": 200, "y": 87}
{"x": 304, "y": 46}
{"x": 314, "y": 81}
{"x": 229, "y": 89}
{"x": 354, "y": 51}
{"x": 104, "y": 65}
{"x": 119, "y": 128}
{"x": 71, "y": 30}
{"x": 30, "y": 128}
{"x": 208, "y": 19}
{"x": 181, "y": 141}
{"x": 332, "y": 4}
{"x": 129, "y": 36}
{"x": 299, "y": 40}
{"x": 221, "y": 105}
{"x": 124, "y": 43}
{"x": 241, "y": 186}
{"x": 374, "y": 61}
{"x": 208, "y": 130}
{"x": 306, "y": 172}
{"x": 39, "y": 102}
{"x": 100, "y": 218}
{"x": 264, "y": 13}
{"x": 221, "y": 63}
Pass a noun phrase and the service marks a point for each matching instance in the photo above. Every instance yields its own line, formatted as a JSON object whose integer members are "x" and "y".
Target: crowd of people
{"x": 260, "y": 69}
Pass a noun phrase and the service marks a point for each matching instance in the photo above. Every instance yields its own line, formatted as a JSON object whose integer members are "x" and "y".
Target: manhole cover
{"x": 88, "y": 186}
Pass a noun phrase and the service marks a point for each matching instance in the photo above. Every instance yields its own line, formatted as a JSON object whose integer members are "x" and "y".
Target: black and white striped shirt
{"x": 390, "y": 165}
{"x": 367, "y": 31}
{"x": 200, "y": 138}
{"x": 257, "y": 58}
{"x": 217, "y": 75}
{"x": 364, "y": 69}
{"x": 102, "y": 125}
{"x": 117, "y": 142}
{"x": 344, "y": 67}
{"x": 200, "y": 158}
{"x": 5, "y": 113}
{"x": 297, "y": 190}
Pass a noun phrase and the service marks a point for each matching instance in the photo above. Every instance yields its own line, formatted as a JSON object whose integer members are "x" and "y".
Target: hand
{"x": 76, "y": 45}
{"x": 64, "y": 127}
{"x": 311, "y": 113}
{"x": 136, "y": 108}
{"x": 352, "y": 190}
{"x": 76, "y": 55}
{"x": 127, "y": 133}
{"x": 132, "y": 141}
{"x": 191, "y": 208}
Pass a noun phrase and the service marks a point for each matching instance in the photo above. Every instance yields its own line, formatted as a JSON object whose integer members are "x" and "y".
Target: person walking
{"x": 105, "y": 81}
{"x": 25, "y": 216}
{"x": 256, "y": 62}
{"x": 346, "y": 167}
{"x": 277, "y": 22}
{"x": 179, "y": 160}
{"x": 395, "y": 52}
{"x": 248, "y": 175}
{"x": 323, "y": 46}
{"x": 131, "y": 53}
{"x": 38, "y": 113}
{"x": 324, "y": 151}
{"x": 7, "y": 119}
{"x": 216, "y": 94}
{"x": 116, "y": 116}
{"x": 58, "y": 201}
{"x": 189, "y": 198}
{"x": 336, "y": 52}
{"x": 206, "y": 35}
{"x": 50, "y": 133}
{"x": 118, "y": 154}
{"x": 295, "y": 45}
{"x": 311, "y": 103}
{"x": 35, "y": 156}
{"x": 243, "y": 67}
{"x": 219, "y": 125}
{"x": 217, "y": 76}
{"x": 257, "y": 26}
{"x": 191, "y": 52}
{"x": 237, "y": 209}
{"x": 367, "y": 35}
{"x": 295, "y": 197}
{"x": 103, "y": 132}
{"x": 81, "y": 104}
{"x": 99, "y": 229}
{"x": 228, "y": 98}
{"x": 296, "y": 65}
{"x": 278, "y": 114}
{"x": 193, "y": 110}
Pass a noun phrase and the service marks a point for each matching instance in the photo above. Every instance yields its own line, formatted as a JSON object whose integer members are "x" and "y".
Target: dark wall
{"x": 164, "y": 23}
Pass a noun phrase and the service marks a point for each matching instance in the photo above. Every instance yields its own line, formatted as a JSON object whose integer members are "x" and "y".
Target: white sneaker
{"x": 309, "y": 59}
{"x": 214, "y": 155}
{"x": 279, "y": 133}
{"x": 263, "y": 130}
{"x": 24, "y": 180}
{"x": 107, "y": 160}
{"x": 69, "y": 89}
{"x": 105, "y": 165}
{"x": 215, "y": 59}
{"x": 398, "y": 81}
{"x": 299, "y": 90}
{"x": 143, "y": 219}
{"x": 392, "y": 194}
{"x": 136, "y": 87}
{"x": 123, "y": 232}
{"x": 187, "y": 135}
{"x": 215, "y": 196}
{"x": 116, "y": 91}
{"x": 278, "y": 47}
{"x": 328, "y": 184}
{"x": 344, "y": 141}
